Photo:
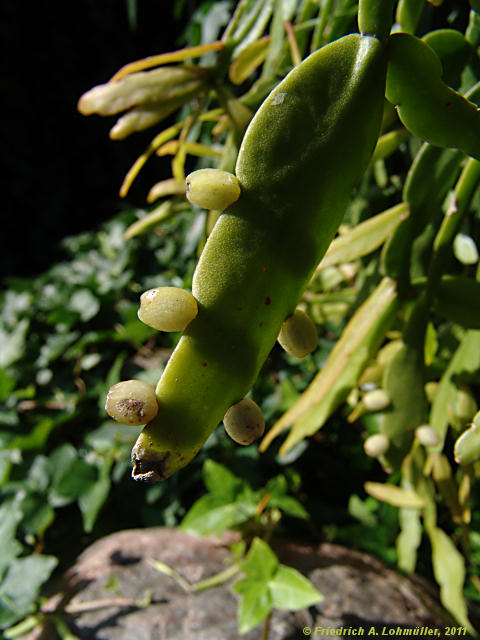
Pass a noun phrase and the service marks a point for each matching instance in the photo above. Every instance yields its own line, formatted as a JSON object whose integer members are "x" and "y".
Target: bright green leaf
{"x": 214, "y": 514}
{"x": 449, "y": 571}
{"x": 347, "y": 360}
{"x": 254, "y": 606}
{"x": 465, "y": 361}
{"x": 396, "y": 496}
{"x": 365, "y": 237}
{"x": 260, "y": 563}
{"x": 290, "y": 506}
{"x": 248, "y": 60}
{"x": 219, "y": 480}
{"x": 467, "y": 446}
{"x": 359, "y": 510}
{"x": 290, "y": 589}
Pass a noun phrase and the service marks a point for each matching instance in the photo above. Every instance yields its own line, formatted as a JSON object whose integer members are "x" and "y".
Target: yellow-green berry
{"x": 132, "y": 402}
{"x": 244, "y": 421}
{"x": 167, "y": 308}
{"x": 298, "y": 335}
{"x": 212, "y": 189}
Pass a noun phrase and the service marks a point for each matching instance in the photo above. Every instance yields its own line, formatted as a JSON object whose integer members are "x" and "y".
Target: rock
{"x": 113, "y": 592}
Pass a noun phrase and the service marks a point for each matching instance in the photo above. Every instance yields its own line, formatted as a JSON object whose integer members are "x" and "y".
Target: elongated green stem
{"x": 375, "y": 17}
{"x": 322, "y": 21}
{"x": 472, "y": 34}
{"x": 462, "y": 196}
{"x": 208, "y": 583}
{"x": 23, "y": 627}
{"x": 266, "y": 626}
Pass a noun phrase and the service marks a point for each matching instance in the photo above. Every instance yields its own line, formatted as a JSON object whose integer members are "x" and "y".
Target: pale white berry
{"x": 132, "y": 402}
{"x": 212, "y": 189}
{"x": 376, "y": 400}
{"x": 167, "y": 308}
{"x": 244, "y": 421}
{"x": 427, "y": 435}
{"x": 376, "y": 445}
{"x": 298, "y": 335}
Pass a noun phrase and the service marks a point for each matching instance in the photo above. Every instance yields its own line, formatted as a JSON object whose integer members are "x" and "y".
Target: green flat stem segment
{"x": 375, "y": 17}
{"x": 263, "y": 250}
{"x": 464, "y": 191}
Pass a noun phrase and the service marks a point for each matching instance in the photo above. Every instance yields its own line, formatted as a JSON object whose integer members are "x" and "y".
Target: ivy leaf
{"x": 260, "y": 563}
{"x": 10, "y": 516}
{"x": 291, "y": 590}
{"x": 449, "y": 571}
{"x": 21, "y": 586}
{"x": 12, "y": 343}
{"x": 85, "y": 304}
{"x": 214, "y": 514}
{"x": 254, "y": 606}
{"x": 467, "y": 445}
{"x": 92, "y": 500}
{"x": 219, "y": 480}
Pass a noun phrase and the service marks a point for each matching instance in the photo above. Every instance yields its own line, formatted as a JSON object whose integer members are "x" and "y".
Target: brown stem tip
{"x": 148, "y": 466}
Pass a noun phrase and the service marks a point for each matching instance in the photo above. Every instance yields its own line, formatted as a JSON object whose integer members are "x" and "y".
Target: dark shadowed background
{"x": 60, "y": 171}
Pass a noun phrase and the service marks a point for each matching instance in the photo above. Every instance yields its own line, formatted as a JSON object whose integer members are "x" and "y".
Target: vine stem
{"x": 459, "y": 203}
{"x": 266, "y": 626}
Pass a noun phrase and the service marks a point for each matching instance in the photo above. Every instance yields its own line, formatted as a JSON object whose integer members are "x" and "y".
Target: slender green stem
{"x": 375, "y": 17}
{"x": 322, "y": 21}
{"x": 461, "y": 198}
{"x": 23, "y": 627}
{"x": 472, "y": 34}
{"x": 208, "y": 583}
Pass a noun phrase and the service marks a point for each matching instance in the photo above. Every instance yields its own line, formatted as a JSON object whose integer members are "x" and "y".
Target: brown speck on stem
{"x": 204, "y": 364}
{"x": 452, "y": 207}
{"x": 267, "y": 301}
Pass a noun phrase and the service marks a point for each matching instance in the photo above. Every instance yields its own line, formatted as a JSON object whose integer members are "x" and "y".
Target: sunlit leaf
{"x": 346, "y": 362}
{"x": 255, "y": 605}
{"x": 396, "y": 496}
{"x": 449, "y": 571}
{"x": 465, "y": 361}
{"x": 291, "y": 590}
{"x": 467, "y": 446}
{"x": 261, "y": 563}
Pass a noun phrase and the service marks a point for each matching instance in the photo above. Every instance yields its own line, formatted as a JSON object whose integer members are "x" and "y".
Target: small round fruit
{"x": 376, "y": 445}
{"x": 212, "y": 189}
{"x": 376, "y": 400}
{"x": 167, "y": 308}
{"x": 132, "y": 402}
{"x": 244, "y": 421}
{"x": 427, "y": 436}
{"x": 298, "y": 335}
